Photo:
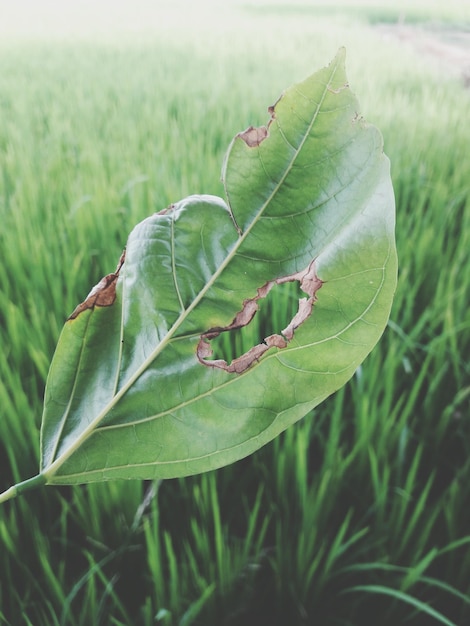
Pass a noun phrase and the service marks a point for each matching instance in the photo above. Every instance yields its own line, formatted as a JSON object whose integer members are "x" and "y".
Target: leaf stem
{"x": 25, "y": 485}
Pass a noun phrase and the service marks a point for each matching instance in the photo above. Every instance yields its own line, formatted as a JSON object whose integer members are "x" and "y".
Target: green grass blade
{"x": 402, "y": 597}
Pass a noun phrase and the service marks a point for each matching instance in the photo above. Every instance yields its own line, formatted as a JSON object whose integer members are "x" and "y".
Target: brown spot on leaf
{"x": 254, "y": 136}
{"x": 166, "y": 210}
{"x": 339, "y": 90}
{"x": 102, "y": 294}
{"x": 309, "y": 283}
{"x": 272, "y": 109}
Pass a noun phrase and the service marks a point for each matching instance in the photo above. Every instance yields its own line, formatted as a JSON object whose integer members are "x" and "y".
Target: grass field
{"x": 359, "y": 514}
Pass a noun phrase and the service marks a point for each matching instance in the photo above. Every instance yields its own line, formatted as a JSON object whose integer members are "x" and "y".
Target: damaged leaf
{"x": 102, "y": 294}
{"x": 309, "y": 283}
{"x": 132, "y": 391}
{"x": 254, "y": 136}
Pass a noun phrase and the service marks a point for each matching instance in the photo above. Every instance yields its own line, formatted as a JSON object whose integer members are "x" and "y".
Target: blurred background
{"x": 360, "y": 513}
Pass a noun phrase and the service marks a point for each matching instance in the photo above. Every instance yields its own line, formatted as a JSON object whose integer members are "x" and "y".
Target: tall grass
{"x": 358, "y": 514}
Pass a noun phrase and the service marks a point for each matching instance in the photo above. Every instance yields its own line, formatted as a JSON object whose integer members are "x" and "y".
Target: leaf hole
{"x": 275, "y": 312}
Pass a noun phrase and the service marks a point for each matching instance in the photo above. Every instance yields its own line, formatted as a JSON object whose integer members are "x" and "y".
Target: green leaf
{"x": 132, "y": 391}
{"x": 403, "y": 597}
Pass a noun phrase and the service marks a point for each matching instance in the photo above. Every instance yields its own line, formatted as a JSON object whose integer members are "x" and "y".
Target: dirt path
{"x": 449, "y": 48}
